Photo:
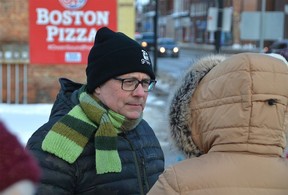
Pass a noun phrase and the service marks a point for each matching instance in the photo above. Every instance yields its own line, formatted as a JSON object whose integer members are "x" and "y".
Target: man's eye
{"x": 129, "y": 82}
{"x": 146, "y": 82}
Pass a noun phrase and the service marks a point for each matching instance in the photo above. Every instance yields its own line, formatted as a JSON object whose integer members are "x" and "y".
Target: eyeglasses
{"x": 130, "y": 84}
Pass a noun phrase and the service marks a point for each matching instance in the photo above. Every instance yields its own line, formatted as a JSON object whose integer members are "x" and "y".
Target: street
{"x": 156, "y": 111}
{"x": 176, "y": 66}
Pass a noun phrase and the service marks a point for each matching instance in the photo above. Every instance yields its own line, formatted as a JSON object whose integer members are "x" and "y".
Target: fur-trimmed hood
{"x": 236, "y": 103}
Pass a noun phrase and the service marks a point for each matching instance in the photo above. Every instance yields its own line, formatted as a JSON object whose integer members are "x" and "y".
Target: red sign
{"x": 63, "y": 31}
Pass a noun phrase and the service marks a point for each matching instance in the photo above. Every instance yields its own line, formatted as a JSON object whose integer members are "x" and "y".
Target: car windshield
{"x": 166, "y": 41}
{"x": 148, "y": 36}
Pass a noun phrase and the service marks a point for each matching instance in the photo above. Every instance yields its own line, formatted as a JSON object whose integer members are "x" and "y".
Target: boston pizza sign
{"x": 63, "y": 31}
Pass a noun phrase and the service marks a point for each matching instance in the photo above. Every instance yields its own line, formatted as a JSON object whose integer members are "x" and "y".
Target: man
{"x": 96, "y": 141}
{"x": 231, "y": 113}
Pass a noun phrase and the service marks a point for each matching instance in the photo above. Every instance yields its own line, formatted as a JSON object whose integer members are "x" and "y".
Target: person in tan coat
{"x": 230, "y": 116}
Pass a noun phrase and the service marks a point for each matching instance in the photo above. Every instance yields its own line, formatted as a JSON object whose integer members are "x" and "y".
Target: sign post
{"x": 155, "y": 36}
{"x": 218, "y": 32}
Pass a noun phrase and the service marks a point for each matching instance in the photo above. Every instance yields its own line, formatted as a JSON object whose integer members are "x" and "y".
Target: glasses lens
{"x": 151, "y": 85}
{"x": 129, "y": 84}
{"x": 146, "y": 85}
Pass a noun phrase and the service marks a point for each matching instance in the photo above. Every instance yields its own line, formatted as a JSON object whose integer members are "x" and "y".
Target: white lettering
{"x": 92, "y": 16}
{"x": 72, "y": 35}
{"x": 51, "y": 32}
{"x": 67, "y": 18}
{"x": 78, "y": 15}
{"x": 70, "y": 32}
{"x": 42, "y": 16}
{"x": 81, "y": 35}
{"x": 103, "y": 18}
{"x": 55, "y": 17}
{"x": 91, "y": 35}
{"x": 61, "y": 37}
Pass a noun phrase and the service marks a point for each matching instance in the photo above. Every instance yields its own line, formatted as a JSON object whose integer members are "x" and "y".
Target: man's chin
{"x": 133, "y": 115}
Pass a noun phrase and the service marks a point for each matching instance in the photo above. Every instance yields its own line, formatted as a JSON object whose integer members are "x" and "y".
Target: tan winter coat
{"x": 236, "y": 122}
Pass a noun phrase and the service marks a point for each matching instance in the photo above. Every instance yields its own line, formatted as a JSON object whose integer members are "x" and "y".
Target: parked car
{"x": 279, "y": 47}
{"x": 167, "y": 47}
{"x": 147, "y": 40}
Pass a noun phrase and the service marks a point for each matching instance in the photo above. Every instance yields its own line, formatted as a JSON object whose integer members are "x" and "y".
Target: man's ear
{"x": 97, "y": 91}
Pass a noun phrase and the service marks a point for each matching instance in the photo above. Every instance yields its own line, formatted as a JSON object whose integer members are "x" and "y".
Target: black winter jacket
{"x": 140, "y": 152}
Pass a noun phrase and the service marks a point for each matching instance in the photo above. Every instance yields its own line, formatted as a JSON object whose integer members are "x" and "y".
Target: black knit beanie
{"x": 114, "y": 54}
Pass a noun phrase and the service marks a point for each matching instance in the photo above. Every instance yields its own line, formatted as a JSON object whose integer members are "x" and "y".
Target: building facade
{"x": 190, "y": 21}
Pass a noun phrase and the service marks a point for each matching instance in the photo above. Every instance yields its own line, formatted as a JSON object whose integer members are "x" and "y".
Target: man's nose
{"x": 140, "y": 90}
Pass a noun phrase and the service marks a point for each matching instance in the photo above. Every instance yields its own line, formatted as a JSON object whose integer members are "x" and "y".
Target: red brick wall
{"x": 14, "y": 21}
{"x": 43, "y": 82}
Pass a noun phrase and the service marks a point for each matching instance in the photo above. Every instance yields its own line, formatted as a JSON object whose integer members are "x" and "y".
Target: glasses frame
{"x": 151, "y": 86}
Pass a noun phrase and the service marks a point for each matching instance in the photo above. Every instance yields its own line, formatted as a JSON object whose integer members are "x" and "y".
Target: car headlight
{"x": 175, "y": 49}
{"x": 144, "y": 44}
{"x": 162, "y": 49}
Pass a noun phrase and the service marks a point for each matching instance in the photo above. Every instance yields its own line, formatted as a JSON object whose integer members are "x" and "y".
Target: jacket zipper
{"x": 146, "y": 183}
{"x": 137, "y": 166}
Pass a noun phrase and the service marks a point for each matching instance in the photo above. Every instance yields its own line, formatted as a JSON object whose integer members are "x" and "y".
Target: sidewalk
{"x": 156, "y": 114}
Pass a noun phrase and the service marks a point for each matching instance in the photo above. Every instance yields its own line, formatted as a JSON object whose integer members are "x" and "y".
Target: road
{"x": 169, "y": 70}
{"x": 177, "y": 66}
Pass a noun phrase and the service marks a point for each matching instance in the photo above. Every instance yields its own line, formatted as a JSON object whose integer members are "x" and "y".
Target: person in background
{"x": 19, "y": 172}
{"x": 96, "y": 140}
{"x": 230, "y": 115}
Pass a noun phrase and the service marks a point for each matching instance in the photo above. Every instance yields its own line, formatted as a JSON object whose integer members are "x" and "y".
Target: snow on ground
{"x": 23, "y": 119}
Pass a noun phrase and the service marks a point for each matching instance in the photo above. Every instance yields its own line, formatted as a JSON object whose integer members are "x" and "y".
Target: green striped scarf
{"x": 68, "y": 137}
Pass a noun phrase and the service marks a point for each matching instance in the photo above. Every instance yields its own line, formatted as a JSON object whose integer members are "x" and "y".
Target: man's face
{"x": 127, "y": 103}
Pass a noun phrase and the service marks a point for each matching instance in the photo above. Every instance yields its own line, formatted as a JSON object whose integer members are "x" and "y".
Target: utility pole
{"x": 155, "y": 36}
{"x": 262, "y": 27}
{"x": 218, "y": 32}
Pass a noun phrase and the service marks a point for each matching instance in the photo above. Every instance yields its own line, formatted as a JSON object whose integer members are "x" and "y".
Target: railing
{"x": 14, "y": 77}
